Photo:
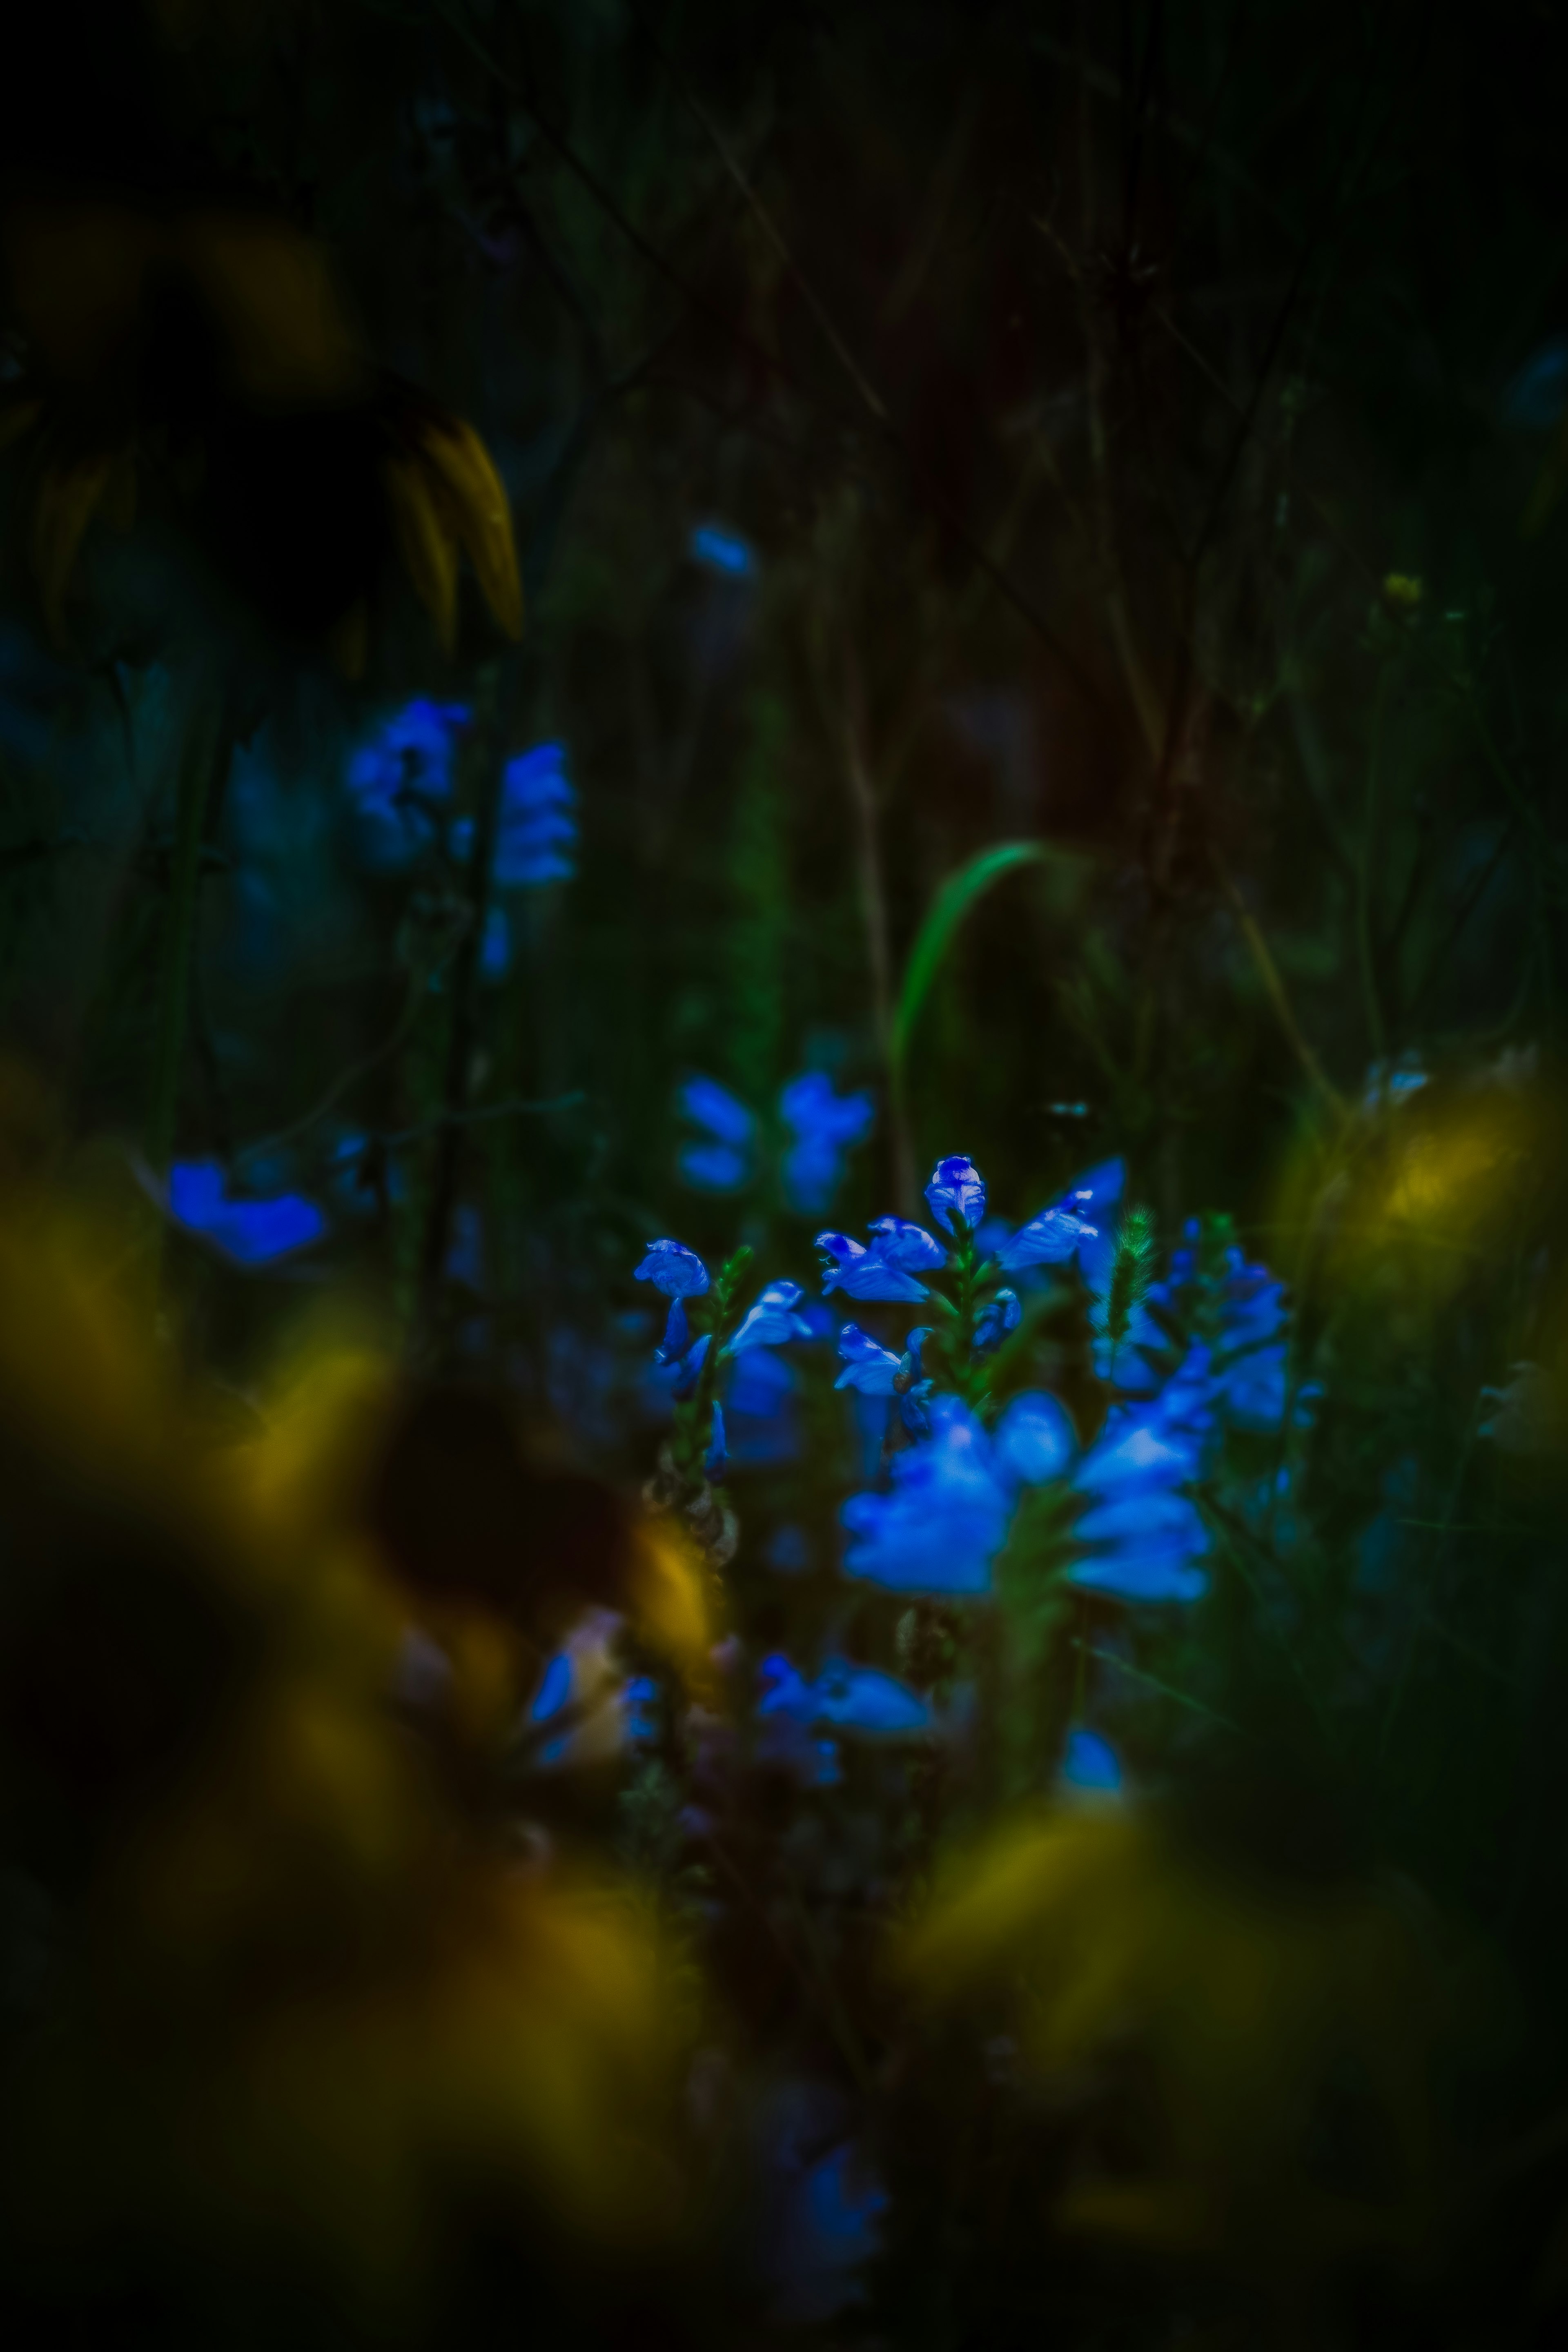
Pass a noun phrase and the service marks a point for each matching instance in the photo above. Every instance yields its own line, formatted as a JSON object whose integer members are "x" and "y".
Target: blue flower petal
{"x": 867, "y": 1366}
{"x": 253, "y": 1232}
{"x": 956, "y": 1194}
{"x": 671, "y": 1267}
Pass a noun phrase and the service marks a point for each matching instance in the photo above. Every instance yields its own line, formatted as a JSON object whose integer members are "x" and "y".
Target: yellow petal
{"x": 465, "y": 473}
{"x": 67, "y": 500}
{"x": 287, "y": 334}
{"x": 429, "y": 551}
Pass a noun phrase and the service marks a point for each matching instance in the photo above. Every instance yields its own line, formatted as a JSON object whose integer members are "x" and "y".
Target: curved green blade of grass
{"x": 952, "y": 903}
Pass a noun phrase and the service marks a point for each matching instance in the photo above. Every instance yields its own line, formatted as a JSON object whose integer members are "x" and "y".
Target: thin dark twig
{"x": 962, "y": 539}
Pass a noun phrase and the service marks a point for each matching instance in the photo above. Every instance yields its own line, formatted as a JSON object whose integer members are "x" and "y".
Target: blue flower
{"x": 721, "y": 551}
{"x": 788, "y": 1550}
{"x": 723, "y": 1162}
{"x": 824, "y": 1126}
{"x": 1240, "y": 1311}
{"x": 944, "y": 1518}
{"x": 536, "y": 833}
{"x": 861, "y": 1273}
{"x": 495, "y": 946}
{"x": 1089, "y": 1764}
{"x": 771, "y": 1320}
{"x": 762, "y": 1427}
{"x": 957, "y": 1194}
{"x": 786, "y": 1717}
{"x": 862, "y": 1700}
{"x": 1034, "y": 1440}
{"x": 639, "y": 1701}
{"x": 676, "y": 1335}
{"x": 1145, "y": 1535}
{"x": 584, "y": 1691}
{"x": 395, "y": 779}
{"x": 909, "y": 1247}
{"x": 992, "y": 1325}
{"x": 683, "y": 1372}
{"x": 867, "y": 1366}
{"x": 1050, "y": 1238}
{"x": 671, "y": 1267}
{"x": 1098, "y": 1192}
{"x": 252, "y": 1233}
{"x": 716, "y": 1460}
{"x": 845, "y": 1697}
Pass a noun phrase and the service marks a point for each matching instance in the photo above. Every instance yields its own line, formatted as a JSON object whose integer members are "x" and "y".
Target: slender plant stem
{"x": 1366, "y": 871}
{"x": 878, "y": 947}
{"x": 204, "y": 746}
{"x": 462, "y": 1033}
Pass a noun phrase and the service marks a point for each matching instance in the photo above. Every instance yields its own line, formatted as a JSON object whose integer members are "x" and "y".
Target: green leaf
{"x": 936, "y": 934}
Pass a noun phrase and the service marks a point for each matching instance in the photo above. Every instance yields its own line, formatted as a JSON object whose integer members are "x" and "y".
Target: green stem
{"x": 202, "y": 751}
{"x": 1367, "y": 872}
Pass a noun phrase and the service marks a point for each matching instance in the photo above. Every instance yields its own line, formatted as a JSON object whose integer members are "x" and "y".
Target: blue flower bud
{"x": 1050, "y": 1238}
{"x": 992, "y": 1325}
{"x": 868, "y": 1367}
{"x": 671, "y": 1267}
{"x": 771, "y": 1320}
{"x": 715, "y": 1459}
{"x": 957, "y": 1194}
{"x": 909, "y": 1247}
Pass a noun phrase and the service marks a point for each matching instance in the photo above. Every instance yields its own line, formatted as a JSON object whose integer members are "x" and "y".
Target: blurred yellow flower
{"x": 1279, "y": 2035}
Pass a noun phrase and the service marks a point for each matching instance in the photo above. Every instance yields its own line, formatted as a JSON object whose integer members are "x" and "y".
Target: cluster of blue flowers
{"x": 1208, "y": 1350}
{"x": 823, "y": 1127}
{"x": 403, "y": 782}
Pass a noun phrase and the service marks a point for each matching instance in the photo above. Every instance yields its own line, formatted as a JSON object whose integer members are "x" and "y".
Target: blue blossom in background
{"x": 721, "y": 551}
{"x": 1034, "y": 1440}
{"x": 788, "y": 1550}
{"x": 996, "y": 1319}
{"x": 845, "y": 1697}
{"x": 1538, "y": 395}
{"x": 1090, "y": 1766}
{"x": 1099, "y": 1192}
{"x": 863, "y": 1700}
{"x": 680, "y": 1374}
{"x": 722, "y": 1162}
{"x": 1145, "y": 1535}
{"x": 950, "y": 1498}
{"x": 956, "y": 1194}
{"x": 868, "y": 1365}
{"x": 760, "y": 1410}
{"x": 1050, "y": 1238}
{"x": 827, "y": 2227}
{"x": 495, "y": 946}
{"x": 1394, "y": 1082}
{"x": 466, "y": 1254}
{"x": 786, "y": 1726}
{"x": 399, "y": 778}
{"x": 864, "y": 1274}
{"x": 908, "y": 1246}
{"x": 943, "y": 1520}
{"x": 1239, "y": 1311}
{"x": 671, "y": 1267}
{"x": 824, "y": 1126}
{"x": 584, "y": 1691}
{"x": 252, "y": 1233}
{"x": 772, "y": 1319}
{"x": 536, "y": 829}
